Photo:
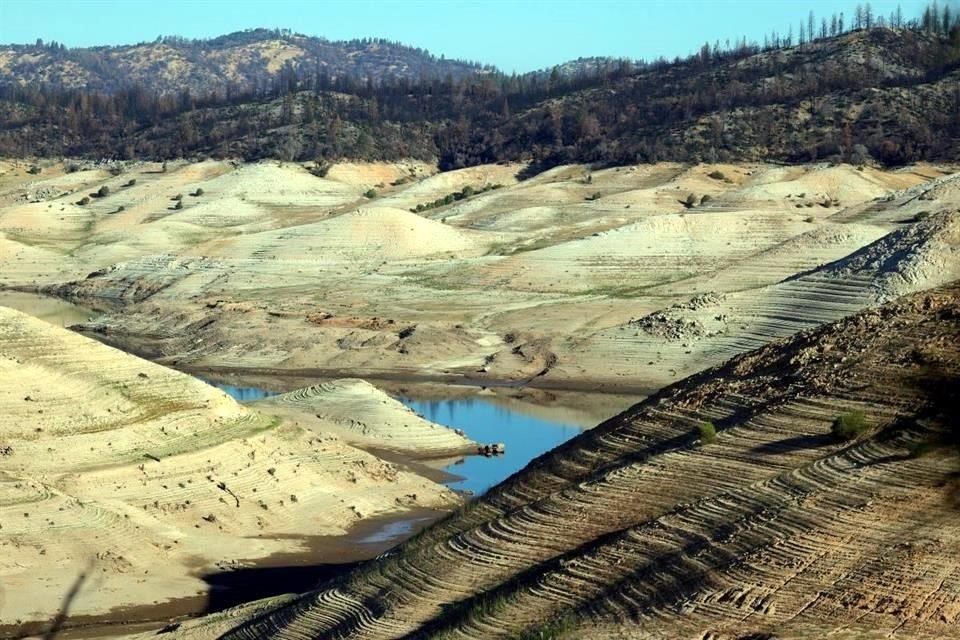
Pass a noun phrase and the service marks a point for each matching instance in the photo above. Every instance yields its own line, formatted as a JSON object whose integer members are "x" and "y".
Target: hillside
{"x": 271, "y": 269}
{"x": 262, "y": 58}
{"x": 643, "y": 528}
{"x": 146, "y": 480}
{"x": 880, "y": 96}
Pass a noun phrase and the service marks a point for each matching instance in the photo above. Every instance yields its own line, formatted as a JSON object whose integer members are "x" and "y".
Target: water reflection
{"x": 242, "y": 394}
{"x": 484, "y": 421}
{"x": 525, "y": 437}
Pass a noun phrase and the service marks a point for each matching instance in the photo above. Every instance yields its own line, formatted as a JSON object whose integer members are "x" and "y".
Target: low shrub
{"x": 717, "y": 175}
{"x": 849, "y": 426}
{"x": 370, "y": 193}
{"x": 708, "y": 432}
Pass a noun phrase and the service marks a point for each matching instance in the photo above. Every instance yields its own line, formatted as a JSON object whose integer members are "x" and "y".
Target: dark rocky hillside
{"x": 883, "y": 96}
{"x": 257, "y": 57}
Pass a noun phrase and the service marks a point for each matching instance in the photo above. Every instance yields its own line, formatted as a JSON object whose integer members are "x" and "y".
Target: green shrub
{"x": 705, "y": 199}
{"x": 85, "y": 200}
{"x": 103, "y": 192}
{"x": 179, "y": 205}
{"x": 34, "y": 170}
{"x": 708, "y": 432}
{"x": 593, "y": 196}
{"x": 197, "y": 193}
{"x": 370, "y": 193}
{"x": 130, "y": 182}
{"x": 177, "y": 197}
{"x": 691, "y": 201}
{"x": 717, "y": 175}
{"x": 849, "y": 426}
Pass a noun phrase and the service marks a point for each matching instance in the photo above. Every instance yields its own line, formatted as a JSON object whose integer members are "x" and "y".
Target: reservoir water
{"x": 526, "y": 430}
{"x": 525, "y": 436}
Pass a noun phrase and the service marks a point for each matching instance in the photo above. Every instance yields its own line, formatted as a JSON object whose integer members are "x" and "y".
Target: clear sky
{"x": 515, "y": 35}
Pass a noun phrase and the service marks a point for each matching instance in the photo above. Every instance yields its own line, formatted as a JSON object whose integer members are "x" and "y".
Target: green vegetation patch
{"x": 849, "y": 426}
{"x": 707, "y": 431}
{"x": 456, "y": 196}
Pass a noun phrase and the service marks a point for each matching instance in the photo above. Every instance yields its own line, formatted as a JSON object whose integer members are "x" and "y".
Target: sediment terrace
{"x": 571, "y": 279}
{"x": 611, "y": 279}
{"x": 641, "y": 528}
{"x": 144, "y": 479}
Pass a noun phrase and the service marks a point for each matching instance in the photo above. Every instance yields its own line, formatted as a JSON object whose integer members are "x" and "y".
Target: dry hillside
{"x": 145, "y": 480}
{"x": 645, "y": 528}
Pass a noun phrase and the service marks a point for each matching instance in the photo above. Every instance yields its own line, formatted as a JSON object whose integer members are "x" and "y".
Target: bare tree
{"x": 811, "y": 25}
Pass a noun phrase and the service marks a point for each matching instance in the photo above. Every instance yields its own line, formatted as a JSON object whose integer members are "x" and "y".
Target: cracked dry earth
{"x": 637, "y": 529}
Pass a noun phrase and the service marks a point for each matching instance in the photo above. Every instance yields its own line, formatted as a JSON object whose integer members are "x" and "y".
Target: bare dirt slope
{"x": 571, "y": 279}
{"x": 146, "y": 479}
{"x": 644, "y": 528}
{"x": 363, "y": 415}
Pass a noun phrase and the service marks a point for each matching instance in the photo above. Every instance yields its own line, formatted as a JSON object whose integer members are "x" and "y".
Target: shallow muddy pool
{"x": 52, "y": 310}
{"x": 526, "y": 428}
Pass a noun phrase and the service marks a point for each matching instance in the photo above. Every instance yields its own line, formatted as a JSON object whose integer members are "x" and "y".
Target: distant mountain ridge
{"x": 879, "y": 95}
{"x": 243, "y": 59}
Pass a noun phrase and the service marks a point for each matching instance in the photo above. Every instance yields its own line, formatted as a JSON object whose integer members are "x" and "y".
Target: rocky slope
{"x": 255, "y": 57}
{"x": 645, "y": 528}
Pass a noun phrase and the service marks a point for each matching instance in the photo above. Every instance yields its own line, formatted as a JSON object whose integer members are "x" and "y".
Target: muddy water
{"x": 52, "y": 310}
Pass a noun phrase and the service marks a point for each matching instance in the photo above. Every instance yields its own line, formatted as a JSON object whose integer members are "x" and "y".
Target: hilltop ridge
{"x": 879, "y": 96}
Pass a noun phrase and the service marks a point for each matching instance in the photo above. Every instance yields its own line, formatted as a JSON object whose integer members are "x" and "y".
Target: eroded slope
{"x": 640, "y": 528}
{"x": 145, "y": 478}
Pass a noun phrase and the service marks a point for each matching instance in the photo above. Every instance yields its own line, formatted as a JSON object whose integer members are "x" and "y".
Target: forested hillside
{"x": 262, "y": 59}
{"x": 883, "y": 94}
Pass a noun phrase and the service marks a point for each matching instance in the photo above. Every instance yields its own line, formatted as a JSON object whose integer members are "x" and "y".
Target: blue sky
{"x": 515, "y": 35}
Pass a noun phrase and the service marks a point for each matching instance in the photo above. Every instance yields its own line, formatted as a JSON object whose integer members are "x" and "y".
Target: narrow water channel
{"x": 52, "y": 310}
{"x": 524, "y": 434}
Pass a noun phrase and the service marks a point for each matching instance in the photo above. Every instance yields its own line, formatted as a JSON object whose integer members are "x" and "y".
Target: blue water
{"x": 525, "y": 437}
{"x": 483, "y": 421}
{"x": 242, "y": 394}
